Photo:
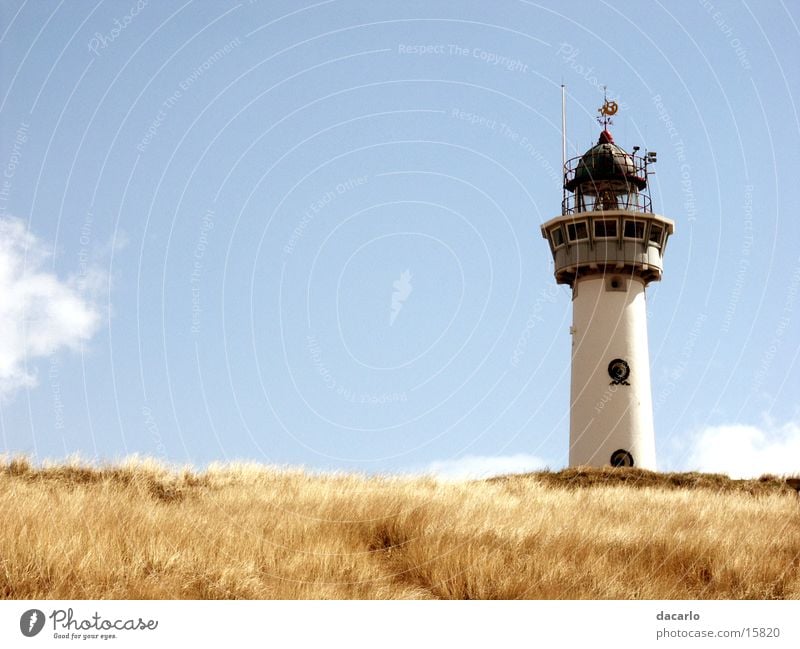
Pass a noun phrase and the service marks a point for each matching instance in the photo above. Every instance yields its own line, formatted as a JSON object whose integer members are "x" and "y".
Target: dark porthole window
{"x": 577, "y": 231}
{"x": 634, "y": 230}
{"x": 621, "y": 458}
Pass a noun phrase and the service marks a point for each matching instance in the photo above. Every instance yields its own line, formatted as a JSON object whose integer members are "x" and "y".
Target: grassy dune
{"x": 140, "y": 530}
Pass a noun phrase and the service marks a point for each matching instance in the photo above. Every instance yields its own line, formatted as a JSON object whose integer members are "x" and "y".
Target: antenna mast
{"x": 563, "y": 137}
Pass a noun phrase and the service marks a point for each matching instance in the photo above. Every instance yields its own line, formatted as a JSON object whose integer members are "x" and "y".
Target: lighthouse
{"x": 608, "y": 245}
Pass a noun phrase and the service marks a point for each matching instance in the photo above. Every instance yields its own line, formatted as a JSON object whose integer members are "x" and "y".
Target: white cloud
{"x": 39, "y": 313}
{"x": 474, "y": 467}
{"x": 744, "y": 451}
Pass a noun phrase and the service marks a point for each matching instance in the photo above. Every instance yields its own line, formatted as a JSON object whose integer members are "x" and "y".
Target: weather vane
{"x": 608, "y": 109}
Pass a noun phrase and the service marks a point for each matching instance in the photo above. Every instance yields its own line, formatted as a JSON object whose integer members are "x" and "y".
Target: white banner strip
{"x": 400, "y": 624}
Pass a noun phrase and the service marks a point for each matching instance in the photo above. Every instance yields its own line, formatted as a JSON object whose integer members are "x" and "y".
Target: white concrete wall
{"x": 604, "y": 417}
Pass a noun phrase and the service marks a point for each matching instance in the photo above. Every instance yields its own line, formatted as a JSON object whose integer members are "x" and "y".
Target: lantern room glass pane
{"x": 655, "y": 234}
{"x": 577, "y": 231}
{"x": 557, "y": 237}
{"x": 634, "y": 230}
{"x": 605, "y": 229}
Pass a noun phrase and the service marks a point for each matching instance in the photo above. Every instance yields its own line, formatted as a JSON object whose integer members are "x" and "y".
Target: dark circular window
{"x": 619, "y": 371}
{"x": 621, "y": 457}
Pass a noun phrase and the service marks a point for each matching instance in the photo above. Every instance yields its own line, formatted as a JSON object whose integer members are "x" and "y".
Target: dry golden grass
{"x": 139, "y": 530}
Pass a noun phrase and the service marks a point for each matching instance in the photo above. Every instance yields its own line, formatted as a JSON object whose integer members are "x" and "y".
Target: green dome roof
{"x": 607, "y": 165}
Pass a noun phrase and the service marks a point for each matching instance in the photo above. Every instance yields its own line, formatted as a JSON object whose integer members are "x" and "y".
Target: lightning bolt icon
{"x": 32, "y": 621}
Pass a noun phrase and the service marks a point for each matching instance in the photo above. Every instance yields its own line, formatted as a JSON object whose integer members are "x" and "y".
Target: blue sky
{"x": 308, "y": 234}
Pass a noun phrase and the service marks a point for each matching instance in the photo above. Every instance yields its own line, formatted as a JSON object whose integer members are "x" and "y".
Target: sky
{"x": 308, "y": 233}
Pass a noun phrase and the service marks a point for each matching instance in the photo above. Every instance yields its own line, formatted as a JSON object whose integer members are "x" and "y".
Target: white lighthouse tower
{"x": 608, "y": 245}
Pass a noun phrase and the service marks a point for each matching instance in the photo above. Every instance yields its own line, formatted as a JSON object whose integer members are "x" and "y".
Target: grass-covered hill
{"x": 140, "y": 530}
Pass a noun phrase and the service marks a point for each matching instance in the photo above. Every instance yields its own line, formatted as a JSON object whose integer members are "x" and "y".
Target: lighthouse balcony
{"x": 626, "y": 198}
{"x": 617, "y": 241}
